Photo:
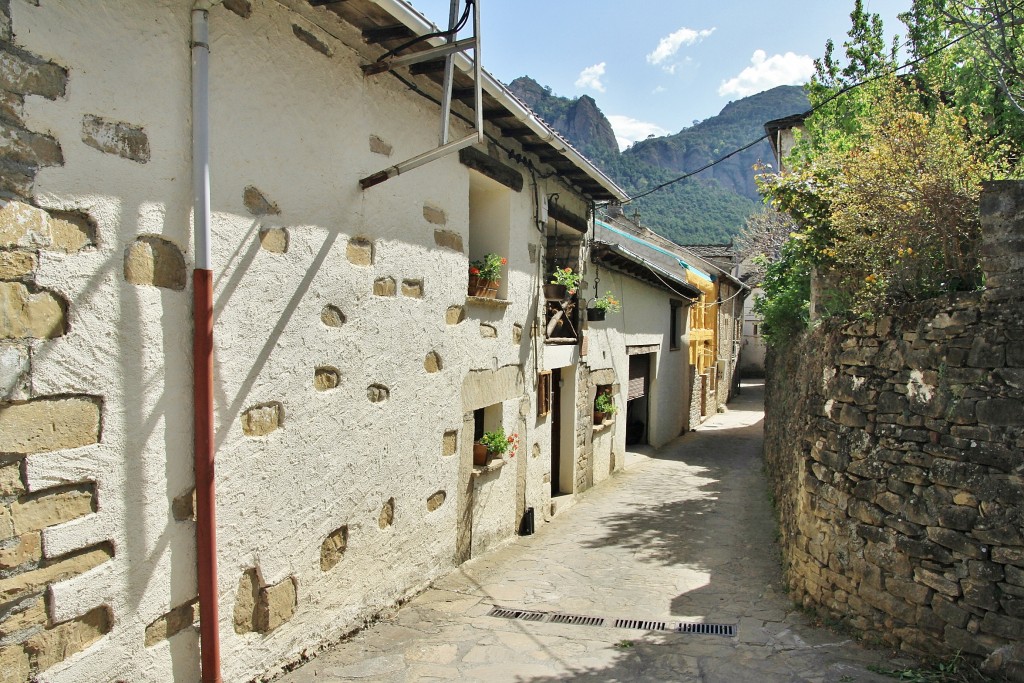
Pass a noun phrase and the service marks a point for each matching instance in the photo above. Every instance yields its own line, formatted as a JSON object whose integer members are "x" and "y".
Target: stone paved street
{"x": 684, "y": 534}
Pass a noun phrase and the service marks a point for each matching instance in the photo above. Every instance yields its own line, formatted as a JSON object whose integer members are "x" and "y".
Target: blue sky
{"x": 656, "y": 66}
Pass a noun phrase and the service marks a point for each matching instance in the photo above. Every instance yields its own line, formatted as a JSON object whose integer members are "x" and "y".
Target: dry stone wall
{"x": 895, "y": 448}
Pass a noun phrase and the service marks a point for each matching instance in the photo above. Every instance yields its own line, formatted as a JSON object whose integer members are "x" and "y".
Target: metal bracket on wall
{"x": 448, "y": 51}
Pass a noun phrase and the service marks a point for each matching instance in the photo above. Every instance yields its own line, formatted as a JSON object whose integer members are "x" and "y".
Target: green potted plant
{"x": 604, "y": 407}
{"x": 600, "y": 306}
{"x": 484, "y": 275}
{"x": 494, "y": 443}
{"x": 563, "y": 283}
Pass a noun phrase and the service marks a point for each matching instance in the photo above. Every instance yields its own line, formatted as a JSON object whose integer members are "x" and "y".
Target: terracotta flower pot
{"x": 479, "y": 454}
{"x": 488, "y": 289}
{"x": 556, "y": 292}
{"x": 595, "y": 314}
{"x": 600, "y": 417}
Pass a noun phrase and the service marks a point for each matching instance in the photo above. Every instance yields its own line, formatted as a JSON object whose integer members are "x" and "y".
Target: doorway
{"x": 556, "y": 430}
{"x": 638, "y": 414}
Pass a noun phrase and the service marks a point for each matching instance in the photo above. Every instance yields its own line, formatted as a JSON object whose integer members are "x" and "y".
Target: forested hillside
{"x": 711, "y": 207}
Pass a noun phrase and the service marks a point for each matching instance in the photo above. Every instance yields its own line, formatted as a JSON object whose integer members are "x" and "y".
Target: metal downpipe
{"x": 202, "y": 356}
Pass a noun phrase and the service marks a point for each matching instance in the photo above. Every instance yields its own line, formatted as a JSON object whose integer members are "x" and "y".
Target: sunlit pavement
{"x": 685, "y": 534}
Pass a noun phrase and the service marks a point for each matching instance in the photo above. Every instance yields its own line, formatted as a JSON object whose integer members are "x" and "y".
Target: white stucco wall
{"x": 643, "y": 321}
{"x": 296, "y": 124}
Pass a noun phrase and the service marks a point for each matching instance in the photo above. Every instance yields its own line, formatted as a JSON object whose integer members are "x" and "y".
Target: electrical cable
{"x": 835, "y": 96}
{"x": 428, "y": 36}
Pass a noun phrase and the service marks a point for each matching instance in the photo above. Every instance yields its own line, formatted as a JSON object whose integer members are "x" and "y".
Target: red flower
{"x": 504, "y": 260}
{"x": 474, "y": 271}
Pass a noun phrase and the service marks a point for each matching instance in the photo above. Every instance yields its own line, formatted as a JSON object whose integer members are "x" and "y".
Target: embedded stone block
{"x": 326, "y": 378}
{"x": 450, "y": 442}
{"x": 56, "y": 644}
{"x": 10, "y": 480}
{"x": 517, "y": 334}
{"x": 57, "y": 570}
{"x": 275, "y": 606}
{"x": 14, "y": 663}
{"x": 240, "y": 7}
{"x": 116, "y": 137}
{"x": 46, "y": 509}
{"x": 488, "y": 331}
{"x": 359, "y": 252}
{"x": 15, "y": 370}
{"x": 436, "y": 215}
{"x": 1001, "y": 412}
{"x": 332, "y": 316}
{"x": 49, "y": 424}
{"x": 436, "y": 500}
{"x": 31, "y": 615}
{"x": 71, "y": 231}
{"x": 432, "y": 363}
{"x": 262, "y": 419}
{"x": 257, "y": 204}
{"x": 387, "y": 514}
{"x": 246, "y": 597}
{"x": 16, "y": 265}
{"x": 274, "y": 240}
{"x": 156, "y": 262}
{"x": 333, "y": 548}
{"x": 183, "y": 507}
{"x": 447, "y": 239}
{"x": 384, "y": 286}
{"x": 412, "y": 288}
{"x": 455, "y": 315}
{"x": 31, "y": 149}
{"x": 23, "y": 226}
{"x": 28, "y": 548}
{"x": 172, "y": 623}
{"x": 25, "y": 74}
{"x": 377, "y": 393}
{"x": 28, "y": 314}
{"x": 379, "y": 146}
{"x": 313, "y": 41}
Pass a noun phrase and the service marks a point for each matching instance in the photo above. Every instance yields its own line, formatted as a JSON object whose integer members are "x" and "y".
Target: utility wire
{"x": 838, "y": 94}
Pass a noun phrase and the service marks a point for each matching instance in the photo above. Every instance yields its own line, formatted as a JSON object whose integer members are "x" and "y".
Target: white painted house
{"x": 351, "y": 369}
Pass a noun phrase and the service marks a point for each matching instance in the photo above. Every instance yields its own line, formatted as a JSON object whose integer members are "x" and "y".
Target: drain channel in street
{"x": 684, "y": 627}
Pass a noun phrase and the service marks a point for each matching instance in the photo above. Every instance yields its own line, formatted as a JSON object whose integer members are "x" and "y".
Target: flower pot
{"x": 556, "y": 292}
{"x": 600, "y": 417}
{"x": 479, "y": 454}
{"x": 488, "y": 289}
{"x": 595, "y": 314}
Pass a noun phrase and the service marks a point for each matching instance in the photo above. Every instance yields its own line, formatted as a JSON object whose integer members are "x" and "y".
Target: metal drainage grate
{"x": 707, "y": 629}
{"x": 521, "y": 614}
{"x": 687, "y": 627}
{"x": 640, "y": 624}
{"x": 576, "y": 619}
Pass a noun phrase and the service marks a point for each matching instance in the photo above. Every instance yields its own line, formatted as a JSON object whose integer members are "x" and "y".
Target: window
{"x": 490, "y": 212}
{"x": 543, "y": 393}
{"x": 562, "y": 317}
{"x": 674, "y": 326}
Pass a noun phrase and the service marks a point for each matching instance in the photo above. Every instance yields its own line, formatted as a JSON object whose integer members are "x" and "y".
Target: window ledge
{"x": 485, "y": 301}
{"x": 604, "y": 425}
{"x": 493, "y": 466}
{"x": 562, "y": 341}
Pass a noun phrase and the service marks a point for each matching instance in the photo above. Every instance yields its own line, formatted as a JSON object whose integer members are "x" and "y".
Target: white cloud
{"x": 767, "y": 72}
{"x": 670, "y": 44}
{"x": 660, "y": 89}
{"x": 628, "y": 130}
{"x": 591, "y": 77}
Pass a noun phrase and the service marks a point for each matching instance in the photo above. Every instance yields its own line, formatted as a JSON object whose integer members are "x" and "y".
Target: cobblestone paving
{"x": 686, "y": 533}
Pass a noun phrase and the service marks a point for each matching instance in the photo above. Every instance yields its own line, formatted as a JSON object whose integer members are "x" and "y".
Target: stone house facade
{"x": 714, "y": 317}
{"x": 352, "y": 370}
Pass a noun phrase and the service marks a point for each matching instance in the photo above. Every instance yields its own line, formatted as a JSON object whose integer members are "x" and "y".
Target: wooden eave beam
{"x": 373, "y": 36}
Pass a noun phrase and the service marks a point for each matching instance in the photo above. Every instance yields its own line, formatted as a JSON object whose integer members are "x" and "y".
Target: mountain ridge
{"x": 708, "y": 208}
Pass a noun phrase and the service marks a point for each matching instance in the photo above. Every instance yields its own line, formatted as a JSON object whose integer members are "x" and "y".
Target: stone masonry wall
{"x": 894, "y": 448}
{"x": 33, "y": 423}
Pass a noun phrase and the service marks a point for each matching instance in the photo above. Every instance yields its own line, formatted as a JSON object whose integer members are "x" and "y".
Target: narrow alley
{"x": 684, "y": 534}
